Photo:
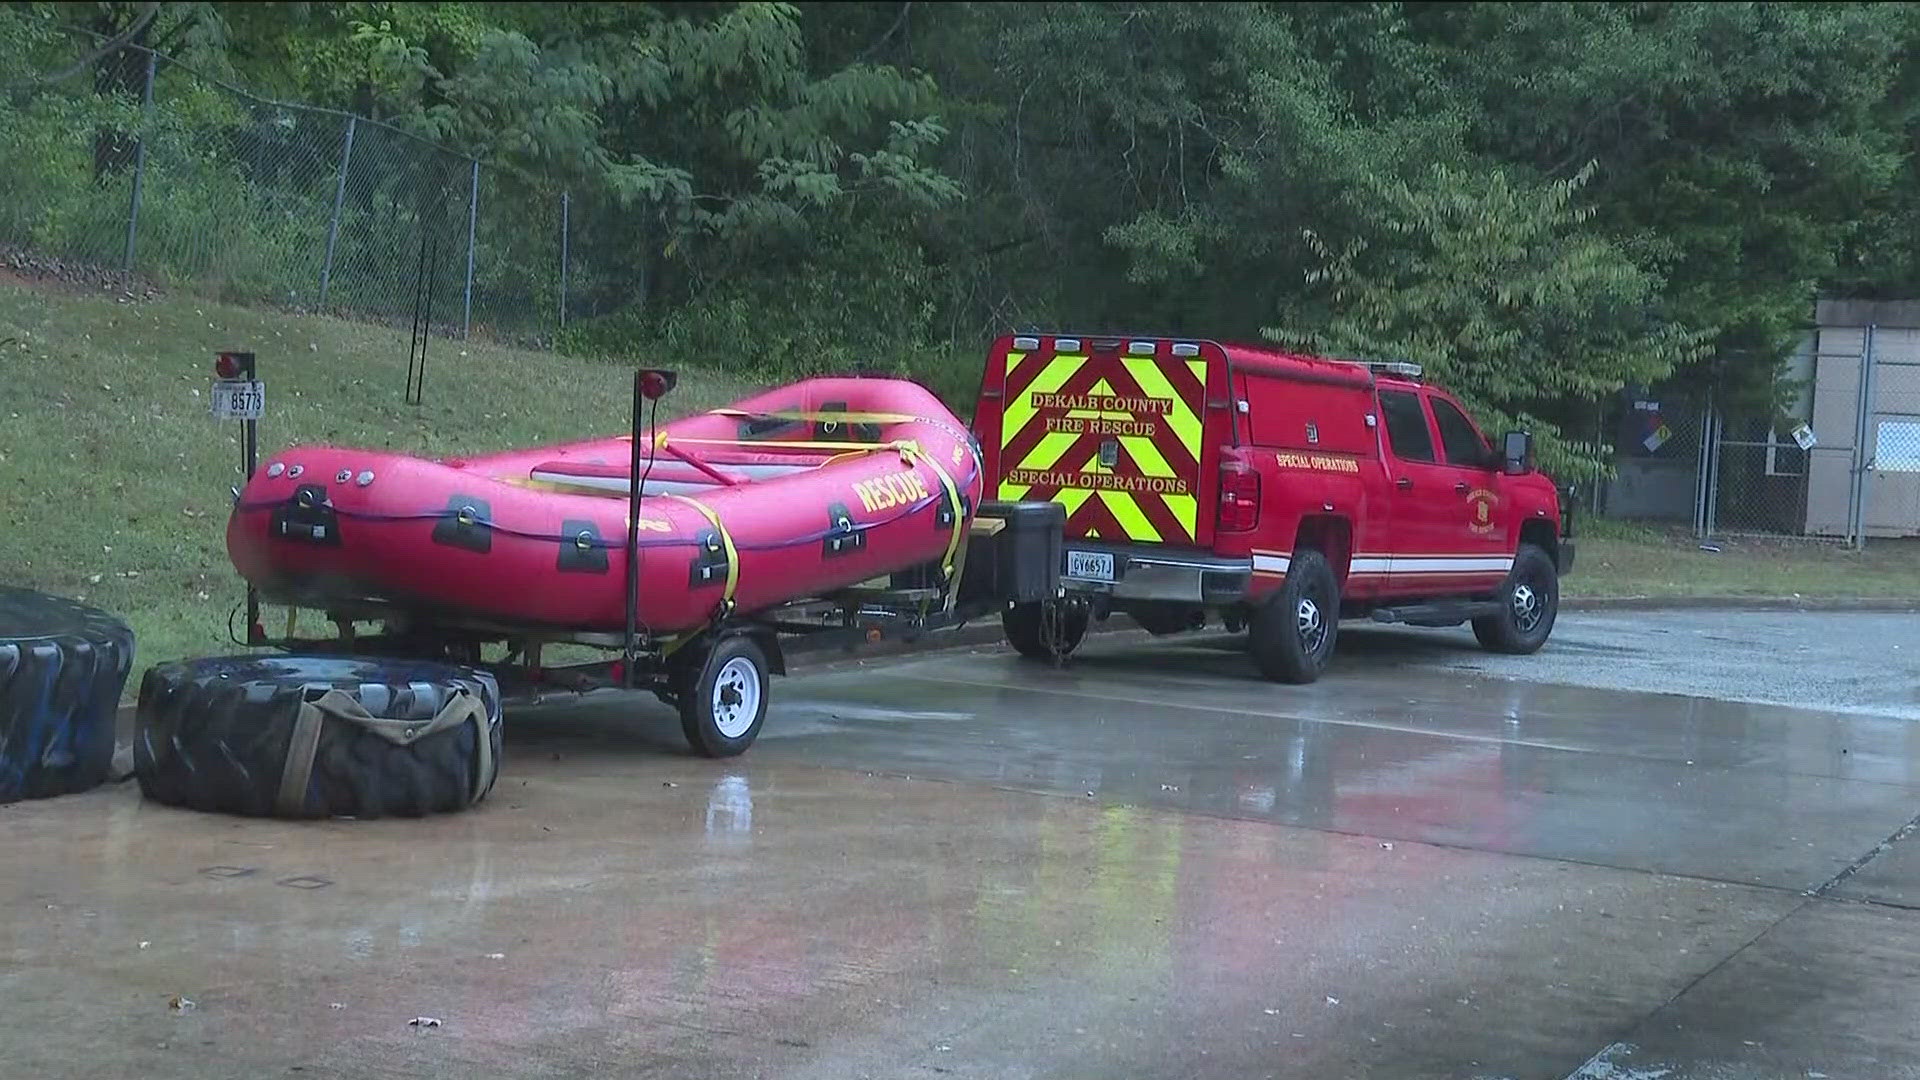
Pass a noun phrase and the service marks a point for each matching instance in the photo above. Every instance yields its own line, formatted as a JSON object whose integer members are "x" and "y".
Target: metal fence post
{"x": 566, "y": 208}
{"x": 1702, "y": 470}
{"x": 140, "y": 162}
{"x": 473, "y": 219}
{"x": 1866, "y": 452}
{"x": 1857, "y": 460}
{"x": 1716, "y": 437}
{"x": 339, "y": 197}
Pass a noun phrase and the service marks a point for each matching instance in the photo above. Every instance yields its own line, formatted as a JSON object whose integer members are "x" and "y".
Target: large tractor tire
{"x": 317, "y": 736}
{"x": 62, "y": 668}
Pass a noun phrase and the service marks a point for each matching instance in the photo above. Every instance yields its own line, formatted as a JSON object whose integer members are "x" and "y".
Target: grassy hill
{"x": 114, "y": 480}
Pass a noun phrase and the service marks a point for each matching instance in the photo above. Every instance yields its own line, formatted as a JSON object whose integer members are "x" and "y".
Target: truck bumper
{"x": 1565, "y": 557}
{"x": 1139, "y": 572}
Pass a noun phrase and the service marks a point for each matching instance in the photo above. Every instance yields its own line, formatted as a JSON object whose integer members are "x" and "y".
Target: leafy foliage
{"x": 1502, "y": 295}
{"x": 1542, "y": 202}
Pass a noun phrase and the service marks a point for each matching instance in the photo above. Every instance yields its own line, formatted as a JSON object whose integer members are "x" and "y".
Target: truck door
{"x": 1433, "y": 549}
{"x": 1467, "y": 456}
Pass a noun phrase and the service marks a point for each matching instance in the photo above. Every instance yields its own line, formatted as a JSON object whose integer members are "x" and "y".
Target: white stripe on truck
{"x": 1274, "y": 563}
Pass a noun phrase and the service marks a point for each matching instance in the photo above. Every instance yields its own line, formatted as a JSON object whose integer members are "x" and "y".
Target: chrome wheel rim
{"x": 1310, "y": 623}
{"x": 1527, "y": 607}
{"x": 736, "y": 697}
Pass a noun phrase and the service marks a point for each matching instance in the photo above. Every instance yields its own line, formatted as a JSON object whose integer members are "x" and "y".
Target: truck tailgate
{"x": 1115, "y": 429}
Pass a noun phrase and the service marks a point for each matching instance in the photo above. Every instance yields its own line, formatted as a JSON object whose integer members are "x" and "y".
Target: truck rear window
{"x": 1406, "y": 425}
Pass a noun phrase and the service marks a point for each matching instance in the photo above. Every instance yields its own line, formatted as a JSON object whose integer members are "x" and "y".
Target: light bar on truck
{"x": 1066, "y": 345}
{"x": 1140, "y": 348}
{"x": 1396, "y": 367}
{"x": 1186, "y": 348}
{"x": 1028, "y": 343}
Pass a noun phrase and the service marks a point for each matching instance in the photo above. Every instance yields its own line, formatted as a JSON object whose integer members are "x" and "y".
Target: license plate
{"x": 238, "y": 399}
{"x": 1090, "y": 565}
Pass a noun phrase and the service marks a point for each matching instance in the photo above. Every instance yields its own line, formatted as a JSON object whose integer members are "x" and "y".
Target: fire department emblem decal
{"x": 1480, "y": 504}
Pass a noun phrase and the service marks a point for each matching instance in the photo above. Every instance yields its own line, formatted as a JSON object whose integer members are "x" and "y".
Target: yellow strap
{"x": 778, "y": 444}
{"x": 673, "y": 644}
{"x": 823, "y": 417}
{"x": 726, "y": 539}
{"x": 959, "y": 516}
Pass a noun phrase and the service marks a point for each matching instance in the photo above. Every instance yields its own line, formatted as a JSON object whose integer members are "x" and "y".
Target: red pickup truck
{"x": 1273, "y": 492}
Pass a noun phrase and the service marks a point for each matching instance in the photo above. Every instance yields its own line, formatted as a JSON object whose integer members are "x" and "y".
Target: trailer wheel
{"x": 317, "y": 736}
{"x": 62, "y": 667}
{"x": 1291, "y": 636}
{"x": 1047, "y": 630}
{"x": 724, "y": 705}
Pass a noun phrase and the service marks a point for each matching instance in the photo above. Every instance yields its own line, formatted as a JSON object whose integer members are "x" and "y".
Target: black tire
{"x": 1529, "y": 604}
{"x": 1292, "y": 635}
{"x": 723, "y": 707}
{"x": 216, "y": 735}
{"x": 1045, "y": 631}
{"x": 63, "y": 665}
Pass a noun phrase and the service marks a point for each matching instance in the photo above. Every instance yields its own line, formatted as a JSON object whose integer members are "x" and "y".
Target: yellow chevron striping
{"x": 1127, "y": 508}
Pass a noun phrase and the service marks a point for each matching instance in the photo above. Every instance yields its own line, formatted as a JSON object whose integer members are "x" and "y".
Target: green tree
{"x": 1503, "y": 295}
{"x": 1737, "y": 143}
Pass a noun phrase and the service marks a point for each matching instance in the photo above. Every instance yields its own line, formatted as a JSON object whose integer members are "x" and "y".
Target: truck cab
{"x": 1269, "y": 491}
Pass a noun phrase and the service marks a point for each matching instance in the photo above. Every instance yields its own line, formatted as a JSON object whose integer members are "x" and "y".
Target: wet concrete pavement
{"x": 1867, "y": 662}
{"x": 1148, "y": 864}
{"x": 1734, "y": 792}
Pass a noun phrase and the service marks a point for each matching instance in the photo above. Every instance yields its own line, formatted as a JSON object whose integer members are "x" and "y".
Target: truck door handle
{"x": 1405, "y": 483}
{"x": 1461, "y": 487}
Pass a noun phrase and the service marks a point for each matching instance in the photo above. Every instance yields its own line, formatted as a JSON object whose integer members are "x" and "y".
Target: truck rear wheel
{"x": 1046, "y": 630}
{"x": 1529, "y": 602}
{"x": 1291, "y": 636}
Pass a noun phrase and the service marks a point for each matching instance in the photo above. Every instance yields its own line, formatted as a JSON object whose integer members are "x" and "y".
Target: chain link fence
{"x": 1837, "y": 459}
{"x": 1890, "y": 471}
{"x": 1657, "y": 435}
{"x": 193, "y": 184}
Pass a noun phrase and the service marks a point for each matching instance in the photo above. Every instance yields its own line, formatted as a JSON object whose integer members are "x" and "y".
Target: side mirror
{"x": 1516, "y": 452}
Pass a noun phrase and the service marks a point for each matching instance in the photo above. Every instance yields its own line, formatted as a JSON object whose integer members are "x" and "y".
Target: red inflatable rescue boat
{"x": 787, "y": 495}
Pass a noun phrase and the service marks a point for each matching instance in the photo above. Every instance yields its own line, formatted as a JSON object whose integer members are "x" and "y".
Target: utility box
{"x": 1020, "y": 562}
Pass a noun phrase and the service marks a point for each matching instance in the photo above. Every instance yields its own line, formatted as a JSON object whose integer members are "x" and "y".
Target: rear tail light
{"x": 1239, "y": 492}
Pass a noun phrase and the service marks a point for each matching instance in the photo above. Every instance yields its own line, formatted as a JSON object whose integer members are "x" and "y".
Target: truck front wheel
{"x": 1529, "y": 601}
{"x": 1291, "y": 636}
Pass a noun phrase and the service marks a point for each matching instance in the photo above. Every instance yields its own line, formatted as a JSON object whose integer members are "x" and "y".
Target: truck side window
{"x": 1406, "y": 425}
{"x": 1458, "y": 440}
